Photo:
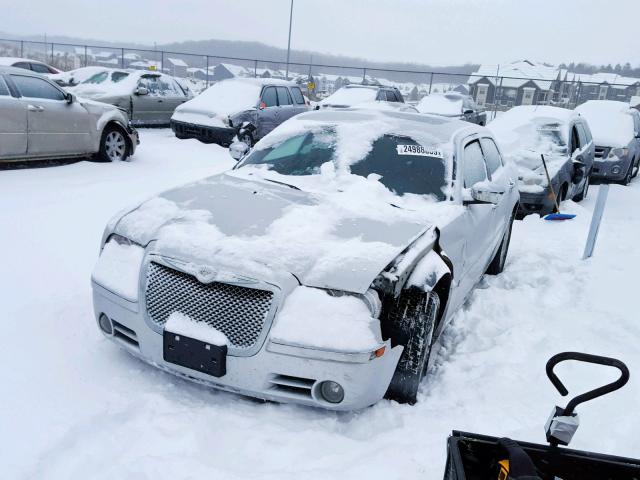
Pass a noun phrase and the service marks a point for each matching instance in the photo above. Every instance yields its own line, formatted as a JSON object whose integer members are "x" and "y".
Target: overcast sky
{"x": 437, "y": 32}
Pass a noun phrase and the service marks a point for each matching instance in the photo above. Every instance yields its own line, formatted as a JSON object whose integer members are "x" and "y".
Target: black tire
{"x": 181, "y": 136}
{"x": 583, "y": 193}
{"x": 636, "y": 168}
{"x": 496, "y": 266}
{"x": 412, "y": 320}
{"x": 113, "y": 145}
{"x": 627, "y": 178}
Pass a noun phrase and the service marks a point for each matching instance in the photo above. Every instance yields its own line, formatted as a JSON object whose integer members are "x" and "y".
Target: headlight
{"x": 370, "y": 298}
{"x": 619, "y": 152}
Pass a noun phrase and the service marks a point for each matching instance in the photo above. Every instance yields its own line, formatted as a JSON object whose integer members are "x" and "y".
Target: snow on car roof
{"x": 610, "y": 122}
{"x": 441, "y": 104}
{"x": 350, "y": 95}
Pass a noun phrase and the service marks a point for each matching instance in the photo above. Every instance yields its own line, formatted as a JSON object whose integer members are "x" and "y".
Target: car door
{"x": 468, "y": 239}
{"x": 171, "y": 95}
{"x": 286, "y": 109}
{"x": 148, "y": 109}
{"x": 299, "y": 105}
{"x": 13, "y": 123}
{"x": 55, "y": 126}
{"x": 586, "y": 144}
{"x": 268, "y": 117}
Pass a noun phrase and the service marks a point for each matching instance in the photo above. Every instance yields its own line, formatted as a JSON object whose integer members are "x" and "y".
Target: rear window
{"x": 297, "y": 96}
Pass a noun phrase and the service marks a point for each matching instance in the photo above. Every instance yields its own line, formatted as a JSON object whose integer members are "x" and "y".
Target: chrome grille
{"x": 238, "y": 312}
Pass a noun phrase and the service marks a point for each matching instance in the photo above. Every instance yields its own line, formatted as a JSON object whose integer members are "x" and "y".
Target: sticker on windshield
{"x": 419, "y": 150}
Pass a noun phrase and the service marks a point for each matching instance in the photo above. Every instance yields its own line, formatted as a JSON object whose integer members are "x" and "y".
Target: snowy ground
{"x": 75, "y": 406}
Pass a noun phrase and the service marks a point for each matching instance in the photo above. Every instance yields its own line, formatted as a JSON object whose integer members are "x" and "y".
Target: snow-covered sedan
{"x": 246, "y": 108}
{"x": 453, "y": 105}
{"x": 149, "y": 98}
{"x": 366, "y": 96}
{"x": 319, "y": 270}
{"x": 616, "y": 133}
{"x": 563, "y": 137}
{"x": 40, "y": 121}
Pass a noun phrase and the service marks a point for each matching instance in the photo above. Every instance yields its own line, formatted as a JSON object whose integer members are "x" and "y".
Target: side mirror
{"x": 70, "y": 98}
{"x": 237, "y": 150}
{"x": 578, "y": 170}
{"x": 262, "y": 106}
{"x": 484, "y": 193}
{"x": 467, "y": 111}
{"x": 142, "y": 91}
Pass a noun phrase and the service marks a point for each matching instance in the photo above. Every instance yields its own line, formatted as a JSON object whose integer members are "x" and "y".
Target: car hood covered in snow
{"x": 252, "y": 227}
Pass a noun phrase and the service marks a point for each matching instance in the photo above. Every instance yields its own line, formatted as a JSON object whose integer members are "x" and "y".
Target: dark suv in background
{"x": 248, "y": 108}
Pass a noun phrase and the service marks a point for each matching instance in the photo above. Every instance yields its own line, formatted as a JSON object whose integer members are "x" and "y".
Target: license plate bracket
{"x": 195, "y": 354}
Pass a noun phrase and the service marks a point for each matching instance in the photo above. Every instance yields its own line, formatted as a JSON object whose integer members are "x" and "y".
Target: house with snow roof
{"x": 176, "y": 67}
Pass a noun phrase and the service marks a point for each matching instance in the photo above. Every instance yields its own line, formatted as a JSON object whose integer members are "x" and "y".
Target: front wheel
{"x": 412, "y": 320}
{"x": 113, "y": 146}
{"x": 497, "y": 264}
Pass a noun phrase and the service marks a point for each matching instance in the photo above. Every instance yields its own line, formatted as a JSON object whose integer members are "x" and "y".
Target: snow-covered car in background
{"x": 358, "y": 95}
{"x": 453, "y": 105}
{"x": 616, "y": 133}
{"x": 248, "y": 108}
{"x": 563, "y": 137}
{"x": 28, "y": 64}
{"x": 321, "y": 269}
{"x": 72, "y": 78}
{"x": 149, "y": 98}
{"x": 41, "y": 121}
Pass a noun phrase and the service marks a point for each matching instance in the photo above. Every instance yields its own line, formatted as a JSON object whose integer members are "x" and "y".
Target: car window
{"x": 636, "y": 122}
{"x": 270, "y": 97}
{"x": 151, "y": 83}
{"x": 168, "y": 87}
{"x": 582, "y": 135}
{"x": 473, "y": 166}
{"x": 33, "y": 87}
{"x": 24, "y": 65}
{"x": 400, "y": 163}
{"x": 491, "y": 155}
{"x": 283, "y": 96}
{"x": 117, "y": 76}
{"x": 391, "y": 96}
{"x": 587, "y": 131}
{"x": 575, "y": 139}
{"x": 39, "y": 68}
{"x": 4, "y": 90}
{"x": 382, "y": 95}
{"x": 297, "y": 95}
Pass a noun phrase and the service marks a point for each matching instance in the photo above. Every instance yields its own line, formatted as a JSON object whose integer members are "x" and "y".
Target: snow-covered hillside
{"x": 75, "y": 406}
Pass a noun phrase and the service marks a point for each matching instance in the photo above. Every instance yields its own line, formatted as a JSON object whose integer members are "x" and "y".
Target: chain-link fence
{"x": 495, "y": 93}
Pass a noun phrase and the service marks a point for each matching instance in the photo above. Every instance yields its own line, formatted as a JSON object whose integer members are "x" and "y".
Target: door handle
{"x": 35, "y": 108}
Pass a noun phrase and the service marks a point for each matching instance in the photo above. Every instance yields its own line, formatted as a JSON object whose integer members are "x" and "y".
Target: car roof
{"x": 370, "y": 87}
{"x": 443, "y": 129}
{"x": 264, "y": 81}
{"x": 21, "y": 71}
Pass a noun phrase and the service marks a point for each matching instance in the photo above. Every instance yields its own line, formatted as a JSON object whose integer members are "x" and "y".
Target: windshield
{"x": 101, "y": 77}
{"x": 400, "y": 163}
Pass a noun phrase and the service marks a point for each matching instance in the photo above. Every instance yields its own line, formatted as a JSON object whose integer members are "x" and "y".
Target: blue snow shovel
{"x": 556, "y": 215}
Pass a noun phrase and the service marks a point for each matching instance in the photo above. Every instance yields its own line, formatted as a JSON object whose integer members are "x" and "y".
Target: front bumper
{"x": 276, "y": 372}
{"x": 540, "y": 203}
{"x": 603, "y": 170}
{"x": 220, "y": 135}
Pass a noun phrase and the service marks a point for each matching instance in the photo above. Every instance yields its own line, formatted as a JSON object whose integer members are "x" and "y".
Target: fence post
{"x": 51, "y": 53}
{"x": 206, "y": 70}
{"x": 22, "y": 48}
{"x": 364, "y": 76}
{"x": 255, "y": 68}
{"x": 595, "y": 221}
{"x": 430, "y": 82}
{"x": 122, "y": 58}
{"x": 495, "y": 98}
{"x": 162, "y": 60}
{"x": 86, "y": 58}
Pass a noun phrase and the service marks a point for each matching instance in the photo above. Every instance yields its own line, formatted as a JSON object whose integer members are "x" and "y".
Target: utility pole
{"x": 289, "y": 42}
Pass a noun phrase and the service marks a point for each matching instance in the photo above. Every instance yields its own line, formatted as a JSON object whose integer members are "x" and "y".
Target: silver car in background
{"x": 149, "y": 97}
{"x": 321, "y": 269}
{"x": 248, "y": 108}
{"x": 453, "y": 105}
{"x": 616, "y": 133}
{"x": 40, "y": 121}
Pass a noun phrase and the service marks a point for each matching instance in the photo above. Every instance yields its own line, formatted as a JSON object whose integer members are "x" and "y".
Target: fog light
{"x": 615, "y": 170}
{"x": 332, "y": 392}
{"x": 105, "y": 324}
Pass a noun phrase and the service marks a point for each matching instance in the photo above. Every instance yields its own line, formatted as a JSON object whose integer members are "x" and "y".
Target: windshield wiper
{"x": 281, "y": 183}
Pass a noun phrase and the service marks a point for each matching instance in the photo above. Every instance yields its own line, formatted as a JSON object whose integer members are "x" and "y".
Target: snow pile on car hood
{"x": 610, "y": 122}
{"x": 440, "y": 105}
{"x": 525, "y": 133}
{"x": 338, "y": 231}
{"x": 219, "y": 101}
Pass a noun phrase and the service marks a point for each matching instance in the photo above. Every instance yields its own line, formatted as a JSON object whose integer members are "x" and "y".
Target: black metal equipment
{"x": 472, "y": 456}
